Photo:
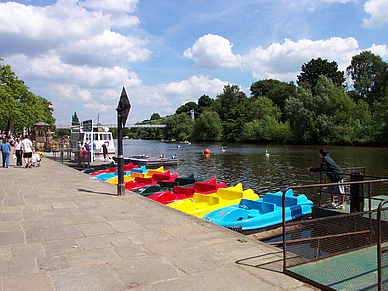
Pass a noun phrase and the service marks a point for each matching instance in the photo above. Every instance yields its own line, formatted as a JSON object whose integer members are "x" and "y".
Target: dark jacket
{"x": 333, "y": 171}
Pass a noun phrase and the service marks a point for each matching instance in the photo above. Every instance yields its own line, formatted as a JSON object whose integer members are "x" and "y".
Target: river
{"x": 247, "y": 163}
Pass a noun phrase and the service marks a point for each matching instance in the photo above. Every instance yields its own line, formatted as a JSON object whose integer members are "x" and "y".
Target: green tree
{"x": 263, "y": 87}
{"x": 155, "y": 116}
{"x": 275, "y": 90}
{"x": 369, "y": 74}
{"x": 187, "y": 107}
{"x": 263, "y": 123}
{"x": 74, "y": 119}
{"x": 315, "y": 68}
{"x": 61, "y": 132}
{"x": 178, "y": 126}
{"x": 19, "y": 107}
{"x": 204, "y": 102}
{"x": 207, "y": 127}
{"x": 230, "y": 98}
{"x": 328, "y": 116}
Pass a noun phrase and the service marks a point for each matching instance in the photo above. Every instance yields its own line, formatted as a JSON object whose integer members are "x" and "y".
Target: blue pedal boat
{"x": 264, "y": 212}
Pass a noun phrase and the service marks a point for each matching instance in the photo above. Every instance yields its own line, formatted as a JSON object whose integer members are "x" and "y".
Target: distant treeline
{"x": 319, "y": 109}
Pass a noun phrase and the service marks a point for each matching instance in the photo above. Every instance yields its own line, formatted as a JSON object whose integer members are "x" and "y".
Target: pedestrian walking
{"x": 27, "y": 151}
{"x": 5, "y": 148}
{"x": 18, "y": 152}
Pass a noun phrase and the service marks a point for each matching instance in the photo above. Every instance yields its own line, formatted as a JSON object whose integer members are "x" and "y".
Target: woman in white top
{"x": 18, "y": 151}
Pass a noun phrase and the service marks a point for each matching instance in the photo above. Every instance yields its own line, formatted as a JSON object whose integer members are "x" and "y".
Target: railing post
{"x": 379, "y": 250}
{"x": 356, "y": 193}
{"x": 284, "y": 228}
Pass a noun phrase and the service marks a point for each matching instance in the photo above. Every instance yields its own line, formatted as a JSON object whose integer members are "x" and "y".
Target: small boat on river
{"x": 264, "y": 212}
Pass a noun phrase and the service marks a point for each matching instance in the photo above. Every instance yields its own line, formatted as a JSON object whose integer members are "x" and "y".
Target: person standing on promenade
{"x": 335, "y": 175}
{"x": 27, "y": 151}
{"x": 18, "y": 152}
{"x": 5, "y": 148}
{"x": 105, "y": 151}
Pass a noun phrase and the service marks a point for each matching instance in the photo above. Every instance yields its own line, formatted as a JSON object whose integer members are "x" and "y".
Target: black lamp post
{"x": 122, "y": 113}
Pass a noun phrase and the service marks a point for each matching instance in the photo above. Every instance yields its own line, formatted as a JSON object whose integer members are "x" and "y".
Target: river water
{"x": 247, "y": 163}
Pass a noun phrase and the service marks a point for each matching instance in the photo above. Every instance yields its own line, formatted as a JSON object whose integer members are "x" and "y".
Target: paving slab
{"x": 64, "y": 230}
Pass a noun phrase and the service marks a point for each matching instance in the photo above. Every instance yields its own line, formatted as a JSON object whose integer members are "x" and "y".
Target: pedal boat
{"x": 179, "y": 192}
{"x": 201, "y": 204}
{"x": 264, "y": 212}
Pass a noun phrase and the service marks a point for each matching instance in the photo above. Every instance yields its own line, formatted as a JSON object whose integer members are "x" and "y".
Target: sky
{"x": 79, "y": 54}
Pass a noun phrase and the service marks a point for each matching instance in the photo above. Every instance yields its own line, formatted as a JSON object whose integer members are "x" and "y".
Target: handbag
{"x": 14, "y": 156}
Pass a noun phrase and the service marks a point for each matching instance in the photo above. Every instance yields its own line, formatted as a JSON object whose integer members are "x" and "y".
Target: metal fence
{"x": 382, "y": 248}
{"x": 316, "y": 239}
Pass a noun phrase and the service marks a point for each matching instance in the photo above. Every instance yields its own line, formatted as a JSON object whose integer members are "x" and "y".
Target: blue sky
{"x": 80, "y": 53}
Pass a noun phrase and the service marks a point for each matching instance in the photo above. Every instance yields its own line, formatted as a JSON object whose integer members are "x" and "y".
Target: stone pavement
{"x": 63, "y": 230}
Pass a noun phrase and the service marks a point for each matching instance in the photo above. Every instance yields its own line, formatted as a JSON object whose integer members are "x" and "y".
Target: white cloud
{"x": 194, "y": 87}
{"x": 105, "y": 49}
{"x": 50, "y": 69}
{"x": 68, "y": 29}
{"x": 284, "y": 61}
{"x": 166, "y": 98}
{"x": 339, "y": 1}
{"x": 381, "y": 50}
{"x": 97, "y": 107}
{"x": 127, "y": 6}
{"x": 212, "y": 52}
{"x": 70, "y": 92}
{"x": 378, "y": 10}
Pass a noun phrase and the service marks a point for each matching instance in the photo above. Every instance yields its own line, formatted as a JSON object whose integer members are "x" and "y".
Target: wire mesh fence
{"x": 342, "y": 236}
{"x": 312, "y": 240}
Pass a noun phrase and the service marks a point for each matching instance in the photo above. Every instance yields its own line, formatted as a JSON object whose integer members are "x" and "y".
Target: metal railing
{"x": 330, "y": 235}
{"x": 382, "y": 252}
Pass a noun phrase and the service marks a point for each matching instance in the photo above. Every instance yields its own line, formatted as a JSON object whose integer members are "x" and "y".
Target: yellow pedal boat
{"x": 202, "y": 204}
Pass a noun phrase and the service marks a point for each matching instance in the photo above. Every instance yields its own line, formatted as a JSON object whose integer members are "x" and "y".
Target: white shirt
{"x": 27, "y": 145}
{"x": 18, "y": 145}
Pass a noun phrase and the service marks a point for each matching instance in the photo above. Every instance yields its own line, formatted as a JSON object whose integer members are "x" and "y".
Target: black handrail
{"x": 313, "y": 186}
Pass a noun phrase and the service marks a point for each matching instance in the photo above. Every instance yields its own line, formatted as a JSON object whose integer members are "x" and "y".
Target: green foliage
{"x": 369, "y": 74}
{"x": 205, "y": 101}
{"x": 61, "y": 132}
{"x": 18, "y": 106}
{"x": 275, "y": 90}
{"x": 155, "y": 116}
{"x": 329, "y": 116}
{"x": 149, "y": 133}
{"x": 207, "y": 127}
{"x": 187, "y": 107}
{"x": 230, "y": 99}
{"x": 315, "y": 68}
{"x": 178, "y": 127}
{"x": 74, "y": 119}
{"x": 263, "y": 123}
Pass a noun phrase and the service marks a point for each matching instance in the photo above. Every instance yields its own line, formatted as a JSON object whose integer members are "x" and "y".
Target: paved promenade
{"x": 62, "y": 230}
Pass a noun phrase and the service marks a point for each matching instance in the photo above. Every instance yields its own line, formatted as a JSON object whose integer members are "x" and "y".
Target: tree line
{"x": 19, "y": 107}
{"x": 319, "y": 109}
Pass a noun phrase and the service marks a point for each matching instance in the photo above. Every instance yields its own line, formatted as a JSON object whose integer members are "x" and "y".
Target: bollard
{"x": 356, "y": 193}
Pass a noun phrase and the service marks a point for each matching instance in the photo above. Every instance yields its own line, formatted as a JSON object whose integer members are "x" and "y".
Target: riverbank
{"x": 62, "y": 230}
